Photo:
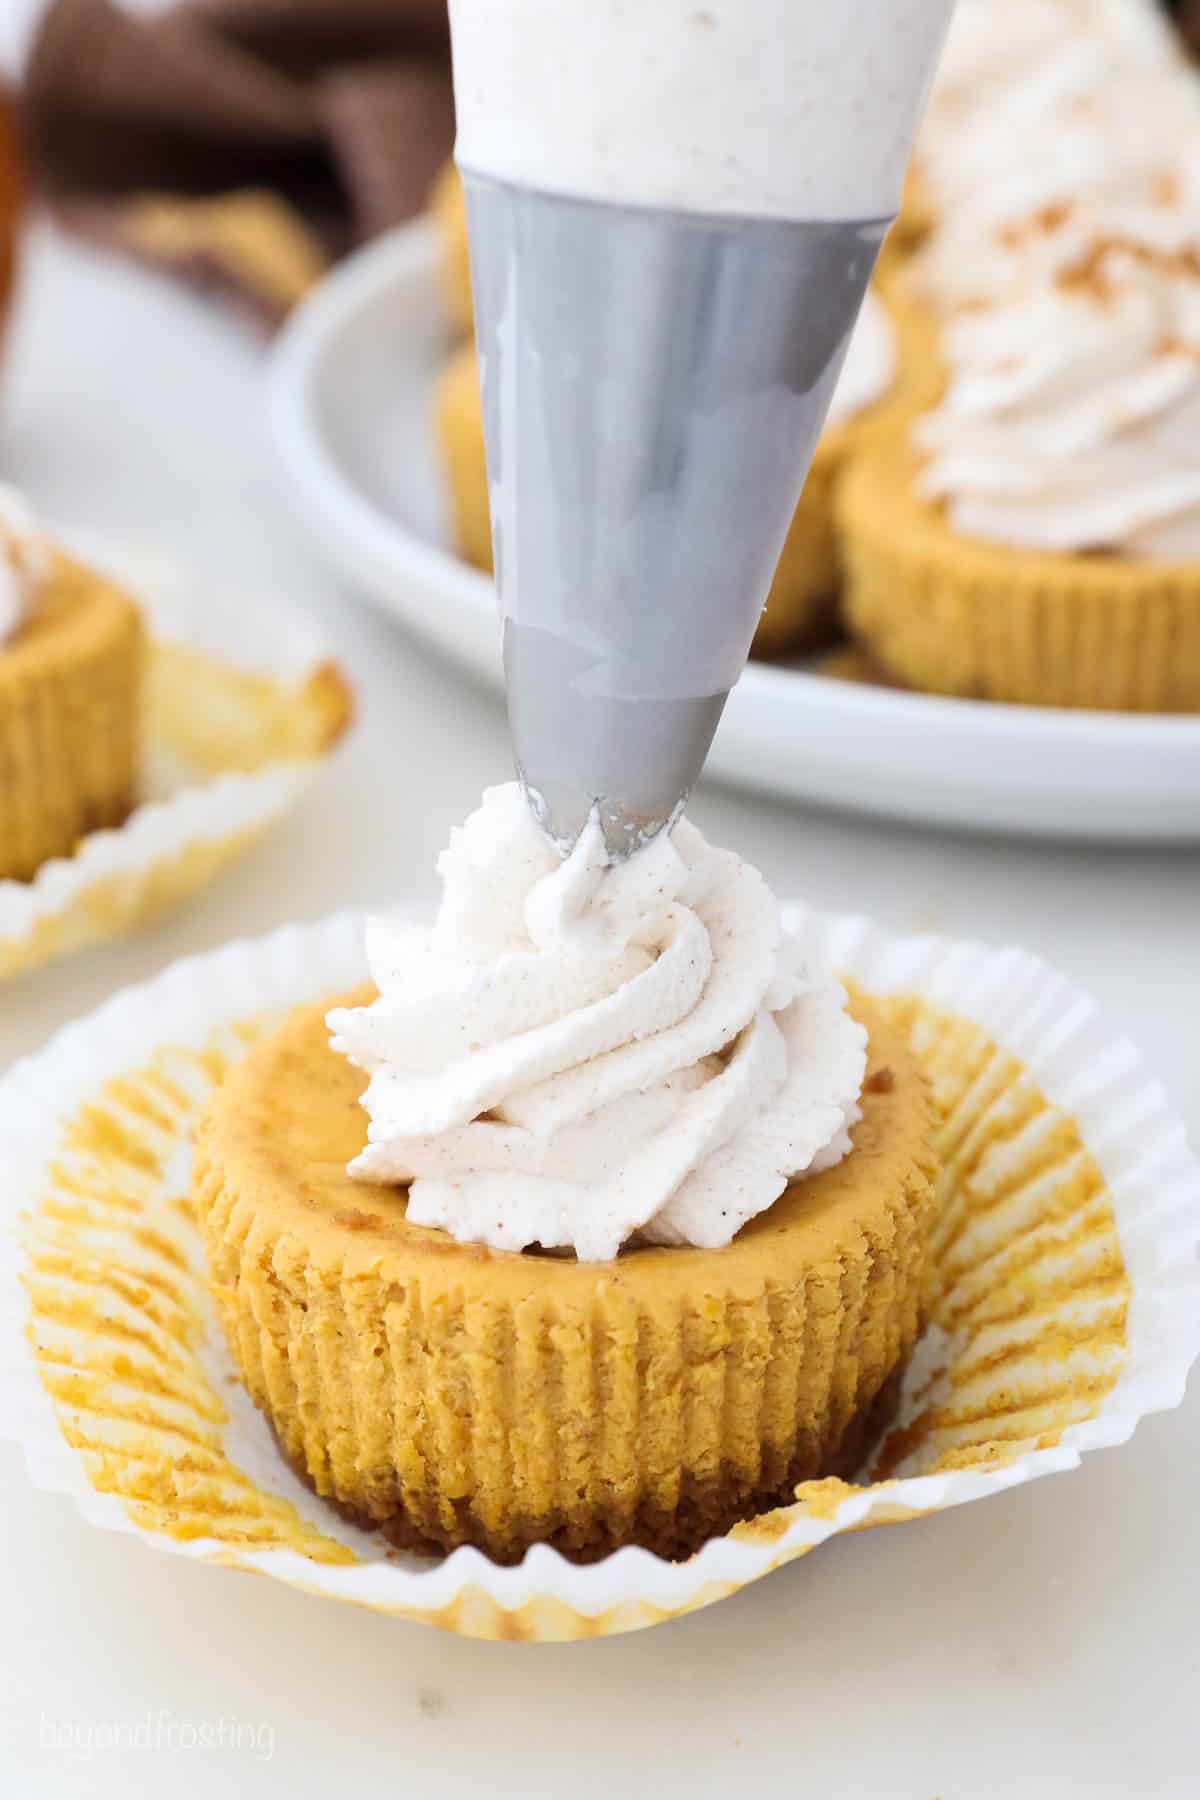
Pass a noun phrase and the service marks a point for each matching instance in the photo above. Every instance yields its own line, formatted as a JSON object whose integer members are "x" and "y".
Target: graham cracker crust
{"x": 704, "y": 1511}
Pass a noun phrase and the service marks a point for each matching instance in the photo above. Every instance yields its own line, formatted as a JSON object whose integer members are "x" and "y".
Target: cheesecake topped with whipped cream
{"x": 1037, "y": 539}
{"x": 599, "y": 1217}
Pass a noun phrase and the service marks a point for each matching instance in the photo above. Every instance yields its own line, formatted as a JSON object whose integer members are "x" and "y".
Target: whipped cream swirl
{"x": 1073, "y": 418}
{"x": 1040, "y": 104}
{"x": 579, "y": 1053}
{"x": 24, "y": 561}
{"x": 1062, "y": 153}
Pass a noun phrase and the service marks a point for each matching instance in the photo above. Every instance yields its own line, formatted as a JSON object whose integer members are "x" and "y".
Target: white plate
{"x": 349, "y": 391}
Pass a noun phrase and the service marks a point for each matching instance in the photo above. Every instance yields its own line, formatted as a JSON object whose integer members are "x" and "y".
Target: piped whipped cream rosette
{"x": 1064, "y": 146}
{"x": 578, "y": 1054}
{"x": 1038, "y": 539}
{"x": 1045, "y": 107}
{"x": 1073, "y": 417}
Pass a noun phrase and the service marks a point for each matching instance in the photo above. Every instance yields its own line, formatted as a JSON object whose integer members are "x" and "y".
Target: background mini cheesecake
{"x": 70, "y": 717}
{"x": 1035, "y": 536}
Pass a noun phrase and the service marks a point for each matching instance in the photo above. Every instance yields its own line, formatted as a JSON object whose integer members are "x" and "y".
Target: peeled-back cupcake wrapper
{"x": 1064, "y": 1302}
{"x": 242, "y": 701}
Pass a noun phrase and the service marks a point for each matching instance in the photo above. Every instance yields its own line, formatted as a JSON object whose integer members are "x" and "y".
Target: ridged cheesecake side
{"x": 70, "y": 699}
{"x": 961, "y": 615}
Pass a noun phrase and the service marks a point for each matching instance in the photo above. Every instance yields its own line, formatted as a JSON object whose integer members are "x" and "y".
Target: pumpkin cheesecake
{"x": 600, "y": 1218}
{"x": 71, "y": 646}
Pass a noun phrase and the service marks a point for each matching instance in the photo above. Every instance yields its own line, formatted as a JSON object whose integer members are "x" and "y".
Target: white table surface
{"x": 1042, "y": 1644}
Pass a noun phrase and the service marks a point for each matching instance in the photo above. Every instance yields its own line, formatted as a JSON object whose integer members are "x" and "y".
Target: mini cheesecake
{"x": 451, "y": 1394}
{"x": 70, "y": 701}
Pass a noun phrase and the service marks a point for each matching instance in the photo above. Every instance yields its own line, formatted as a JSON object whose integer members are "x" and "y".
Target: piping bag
{"x": 673, "y": 213}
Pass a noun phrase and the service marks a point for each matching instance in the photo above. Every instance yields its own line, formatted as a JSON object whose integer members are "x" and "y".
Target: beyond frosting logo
{"x": 163, "y": 1731}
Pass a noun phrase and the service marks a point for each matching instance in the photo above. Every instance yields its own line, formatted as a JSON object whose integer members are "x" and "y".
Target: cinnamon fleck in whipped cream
{"x": 578, "y": 1054}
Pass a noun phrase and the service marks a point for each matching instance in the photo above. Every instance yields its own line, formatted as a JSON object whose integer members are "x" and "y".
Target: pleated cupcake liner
{"x": 242, "y": 704}
{"x": 1064, "y": 1302}
{"x": 960, "y": 615}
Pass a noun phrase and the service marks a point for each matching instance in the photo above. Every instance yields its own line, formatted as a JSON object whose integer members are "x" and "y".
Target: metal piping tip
{"x": 653, "y": 387}
{"x": 624, "y": 832}
{"x": 579, "y": 746}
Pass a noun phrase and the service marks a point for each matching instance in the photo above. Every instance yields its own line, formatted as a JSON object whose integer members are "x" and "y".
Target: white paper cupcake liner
{"x": 1069, "y": 1234}
{"x": 243, "y": 703}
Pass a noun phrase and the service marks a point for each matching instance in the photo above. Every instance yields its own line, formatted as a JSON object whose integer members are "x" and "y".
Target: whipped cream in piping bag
{"x": 766, "y": 108}
{"x": 580, "y": 1053}
{"x": 24, "y": 561}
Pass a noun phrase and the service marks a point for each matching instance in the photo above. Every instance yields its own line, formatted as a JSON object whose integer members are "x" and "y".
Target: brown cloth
{"x": 241, "y": 142}
{"x": 1186, "y": 14}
